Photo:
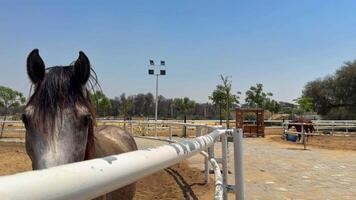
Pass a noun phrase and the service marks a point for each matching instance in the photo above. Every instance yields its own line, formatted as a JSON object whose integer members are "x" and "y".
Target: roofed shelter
{"x": 251, "y": 130}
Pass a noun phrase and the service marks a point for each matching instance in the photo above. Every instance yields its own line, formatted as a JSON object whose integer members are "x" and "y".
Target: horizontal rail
{"x": 93, "y": 178}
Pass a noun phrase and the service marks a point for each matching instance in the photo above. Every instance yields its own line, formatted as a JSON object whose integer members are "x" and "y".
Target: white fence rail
{"x": 93, "y": 178}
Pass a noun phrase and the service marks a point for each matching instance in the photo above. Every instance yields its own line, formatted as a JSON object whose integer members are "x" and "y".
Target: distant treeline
{"x": 334, "y": 96}
{"x": 143, "y": 105}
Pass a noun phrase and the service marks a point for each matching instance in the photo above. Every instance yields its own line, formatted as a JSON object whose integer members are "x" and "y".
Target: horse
{"x": 60, "y": 119}
{"x": 296, "y": 123}
{"x": 308, "y": 127}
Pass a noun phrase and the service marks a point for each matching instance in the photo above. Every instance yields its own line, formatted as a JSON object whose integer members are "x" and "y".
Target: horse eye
{"x": 24, "y": 119}
{"x": 87, "y": 119}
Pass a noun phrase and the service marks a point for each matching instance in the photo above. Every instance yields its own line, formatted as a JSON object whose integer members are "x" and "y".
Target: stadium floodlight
{"x": 152, "y": 62}
{"x": 161, "y": 72}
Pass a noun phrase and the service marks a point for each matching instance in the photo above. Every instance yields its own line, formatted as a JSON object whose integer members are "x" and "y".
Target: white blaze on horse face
{"x": 67, "y": 142}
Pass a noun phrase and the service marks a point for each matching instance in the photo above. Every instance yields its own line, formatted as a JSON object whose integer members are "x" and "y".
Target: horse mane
{"x": 58, "y": 90}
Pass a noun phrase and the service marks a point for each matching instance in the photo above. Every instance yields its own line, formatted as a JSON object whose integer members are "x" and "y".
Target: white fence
{"x": 328, "y": 126}
{"x": 93, "y": 178}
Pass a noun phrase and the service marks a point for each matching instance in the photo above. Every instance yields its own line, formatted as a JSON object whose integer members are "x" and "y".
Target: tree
{"x": 305, "y": 103}
{"x": 272, "y": 105}
{"x": 101, "y": 102}
{"x": 183, "y": 105}
{"x": 9, "y": 99}
{"x": 224, "y": 98}
{"x": 217, "y": 98}
{"x": 334, "y": 96}
{"x": 126, "y": 105}
{"x": 255, "y": 97}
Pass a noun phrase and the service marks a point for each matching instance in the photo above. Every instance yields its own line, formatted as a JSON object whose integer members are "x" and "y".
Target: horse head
{"x": 59, "y": 116}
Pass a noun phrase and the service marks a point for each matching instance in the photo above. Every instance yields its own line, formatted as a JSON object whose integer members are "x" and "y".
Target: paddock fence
{"x": 92, "y": 178}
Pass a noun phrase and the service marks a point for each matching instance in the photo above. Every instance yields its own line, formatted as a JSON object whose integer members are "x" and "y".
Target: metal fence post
{"x": 182, "y": 130}
{"x": 206, "y": 170}
{"x": 131, "y": 128}
{"x": 197, "y": 131}
{"x": 170, "y": 132}
{"x": 238, "y": 161}
{"x": 304, "y": 137}
{"x": 332, "y": 127}
{"x": 145, "y": 130}
{"x": 206, "y": 163}
{"x": 224, "y": 153}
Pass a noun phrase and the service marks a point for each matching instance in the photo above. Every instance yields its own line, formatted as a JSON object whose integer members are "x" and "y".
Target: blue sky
{"x": 280, "y": 43}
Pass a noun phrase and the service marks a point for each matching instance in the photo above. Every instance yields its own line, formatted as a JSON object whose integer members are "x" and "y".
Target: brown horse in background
{"x": 59, "y": 119}
{"x": 297, "y": 124}
{"x": 308, "y": 127}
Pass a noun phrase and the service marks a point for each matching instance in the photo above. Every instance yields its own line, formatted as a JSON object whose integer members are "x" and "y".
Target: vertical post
{"x": 206, "y": 170}
{"x": 170, "y": 132}
{"x": 156, "y": 109}
{"x": 145, "y": 129}
{"x": 206, "y": 161}
{"x": 197, "y": 131}
{"x": 304, "y": 138}
{"x": 131, "y": 128}
{"x": 224, "y": 153}
{"x": 332, "y": 127}
{"x": 183, "y": 131}
{"x": 238, "y": 161}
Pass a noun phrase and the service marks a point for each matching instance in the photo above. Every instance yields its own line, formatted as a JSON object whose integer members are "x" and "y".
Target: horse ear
{"x": 82, "y": 68}
{"x": 35, "y": 66}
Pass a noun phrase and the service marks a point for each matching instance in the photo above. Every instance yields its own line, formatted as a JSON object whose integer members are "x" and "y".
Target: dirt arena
{"x": 338, "y": 142}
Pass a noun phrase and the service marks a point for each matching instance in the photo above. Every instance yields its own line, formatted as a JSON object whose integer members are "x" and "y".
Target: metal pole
{"x": 206, "y": 163}
{"x": 332, "y": 127}
{"x": 131, "y": 128}
{"x": 224, "y": 163}
{"x": 156, "y": 109}
{"x": 206, "y": 170}
{"x": 238, "y": 160}
{"x": 304, "y": 139}
{"x": 197, "y": 131}
{"x": 170, "y": 132}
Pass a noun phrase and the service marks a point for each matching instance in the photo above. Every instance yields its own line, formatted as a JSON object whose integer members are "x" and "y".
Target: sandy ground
{"x": 337, "y": 142}
{"x": 276, "y": 170}
{"x": 283, "y": 171}
{"x": 177, "y": 182}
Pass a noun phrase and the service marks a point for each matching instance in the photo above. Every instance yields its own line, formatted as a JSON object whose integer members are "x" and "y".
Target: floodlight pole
{"x": 161, "y": 72}
{"x": 156, "y": 109}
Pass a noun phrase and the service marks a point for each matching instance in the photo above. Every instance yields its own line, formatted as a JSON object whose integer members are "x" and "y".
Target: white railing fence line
{"x": 93, "y": 178}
